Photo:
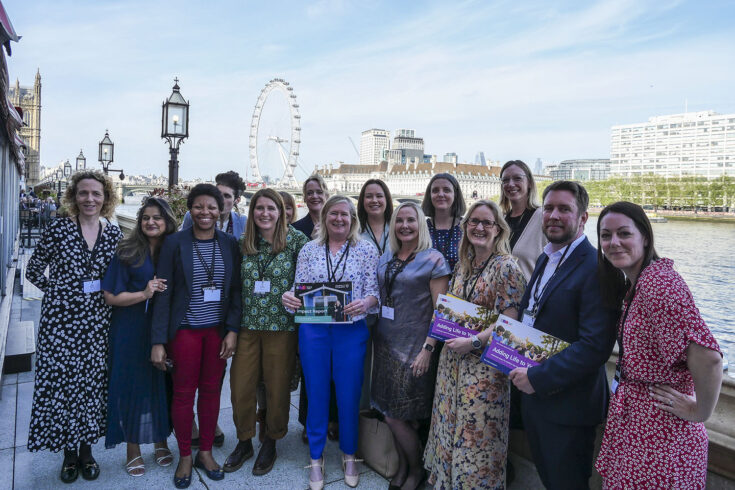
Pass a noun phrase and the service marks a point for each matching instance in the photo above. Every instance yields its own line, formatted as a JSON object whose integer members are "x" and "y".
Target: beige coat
{"x": 530, "y": 245}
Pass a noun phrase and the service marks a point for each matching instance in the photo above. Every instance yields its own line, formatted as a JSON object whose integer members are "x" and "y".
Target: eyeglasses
{"x": 516, "y": 179}
{"x": 486, "y": 223}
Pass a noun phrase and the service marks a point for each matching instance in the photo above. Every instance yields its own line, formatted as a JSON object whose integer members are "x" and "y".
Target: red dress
{"x": 644, "y": 446}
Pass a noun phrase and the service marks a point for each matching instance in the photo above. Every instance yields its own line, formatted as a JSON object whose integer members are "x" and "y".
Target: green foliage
{"x": 176, "y": 199}
{"x": 658, "y": 191}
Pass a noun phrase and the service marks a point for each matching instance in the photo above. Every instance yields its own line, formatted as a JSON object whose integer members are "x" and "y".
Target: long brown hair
{"x": 133, "y": 249}
{"x": 362, "y": 212}
{"x": 249, "y": 241}
{"x": 613, "y": 283}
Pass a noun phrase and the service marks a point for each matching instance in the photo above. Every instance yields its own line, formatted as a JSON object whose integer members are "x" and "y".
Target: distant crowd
{"x": 134, "y": 329}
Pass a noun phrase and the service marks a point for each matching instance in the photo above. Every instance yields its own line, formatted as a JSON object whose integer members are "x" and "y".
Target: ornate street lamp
{"x": 67, "y": 169}
{"x": 174, "y": 129}
{"x": 107, "y": 154}
{"x": 81, "y": 162}
{"x": 59, "y": 176}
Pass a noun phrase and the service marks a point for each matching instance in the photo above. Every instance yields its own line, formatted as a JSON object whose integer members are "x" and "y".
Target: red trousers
{"x": 197, "y": 365}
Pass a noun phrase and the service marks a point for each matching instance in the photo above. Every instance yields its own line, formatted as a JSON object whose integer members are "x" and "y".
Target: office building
{"x": 693, "y": 143}
{"x": 583, "y": 169}
{"x": 373, "y": 144}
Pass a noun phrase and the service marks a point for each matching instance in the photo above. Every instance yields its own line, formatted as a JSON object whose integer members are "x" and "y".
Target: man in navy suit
{"x": 566, "y": 396}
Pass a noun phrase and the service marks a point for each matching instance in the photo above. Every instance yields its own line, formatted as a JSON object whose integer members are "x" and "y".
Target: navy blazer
{"x": 571, "y": 386}
{"x": 175, "y": 265}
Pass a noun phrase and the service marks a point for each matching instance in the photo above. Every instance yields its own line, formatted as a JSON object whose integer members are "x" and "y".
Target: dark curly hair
{"x": 205, "y": 190}
{"x": 232, "y": 180}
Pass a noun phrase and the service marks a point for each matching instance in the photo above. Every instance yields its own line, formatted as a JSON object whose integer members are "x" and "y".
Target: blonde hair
{"x": 424, "y": 241}
{"x": 70, "y": 195}
{"x": 501, "y": 245}
{"x": 531, "y": 197}
{"x": 319, "y": 180}
{"x": 249, "y": 242}
{"x": 353, "y": 236}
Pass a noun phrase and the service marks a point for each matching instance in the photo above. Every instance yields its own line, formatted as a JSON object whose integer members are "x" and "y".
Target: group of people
{"x": 166, "y": 309}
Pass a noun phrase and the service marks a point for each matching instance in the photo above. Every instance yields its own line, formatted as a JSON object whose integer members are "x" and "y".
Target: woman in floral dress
{"x": 467, "y": 446}
{"x": 70, "y": 392}
{"x": 669, "y": 370}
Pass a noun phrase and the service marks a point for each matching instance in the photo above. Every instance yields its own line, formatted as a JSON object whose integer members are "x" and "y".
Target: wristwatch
{"x": 429, "y": 347}
{"x": 476, "y": 342}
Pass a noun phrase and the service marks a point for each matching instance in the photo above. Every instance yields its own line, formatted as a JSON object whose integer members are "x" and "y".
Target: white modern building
{"x": 695, "y": 143}
{"x": 581, "y": 169}
{"x": 373, "y": 143}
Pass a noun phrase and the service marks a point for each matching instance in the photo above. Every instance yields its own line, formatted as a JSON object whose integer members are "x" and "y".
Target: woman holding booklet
{"x": 410, "y": 281}
{"x": 336, "y": 351}
{"x": 467, "y": 445}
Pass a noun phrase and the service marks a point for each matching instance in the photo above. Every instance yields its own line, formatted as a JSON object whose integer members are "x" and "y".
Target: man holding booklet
{"x": 565, "y": 397}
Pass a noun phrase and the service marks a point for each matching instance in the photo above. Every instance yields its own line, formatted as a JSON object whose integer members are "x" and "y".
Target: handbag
{"x": 375, "y": 444}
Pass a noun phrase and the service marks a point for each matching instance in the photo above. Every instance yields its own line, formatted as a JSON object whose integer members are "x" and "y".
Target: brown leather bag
{"x": 375, "y": 444}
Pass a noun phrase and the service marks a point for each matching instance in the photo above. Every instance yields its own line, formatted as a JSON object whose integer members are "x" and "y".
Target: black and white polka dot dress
{"x": 70, "y": 393}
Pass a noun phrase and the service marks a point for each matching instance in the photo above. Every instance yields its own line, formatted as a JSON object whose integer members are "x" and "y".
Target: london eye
{"x": 275, "y": 135}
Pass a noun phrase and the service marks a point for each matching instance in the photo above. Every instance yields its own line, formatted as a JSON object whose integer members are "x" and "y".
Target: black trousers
{"x": 562, "y": 453}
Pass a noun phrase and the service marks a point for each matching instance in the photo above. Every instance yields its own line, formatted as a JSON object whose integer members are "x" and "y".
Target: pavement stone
{"x": 23, "y": 413}
{"x": 7, "y": 458}
{"x": 7, "y": 416}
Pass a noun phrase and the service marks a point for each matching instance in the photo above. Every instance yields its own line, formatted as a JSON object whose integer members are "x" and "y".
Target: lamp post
{"x": 107, "y": 155}
{"x": 81, "y": 162}
{"x": 174, "y": 129}
{"x": 59, "y": 176}
{"x": 67, "y": 169}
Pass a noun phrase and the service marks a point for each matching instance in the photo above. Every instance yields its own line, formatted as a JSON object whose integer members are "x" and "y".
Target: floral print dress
{"x": 468, "y": 440}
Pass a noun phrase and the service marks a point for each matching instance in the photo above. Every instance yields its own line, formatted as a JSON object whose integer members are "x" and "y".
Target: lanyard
{"x": 263, "y": 266}
{"x": 476, "y": 278}
{"x": 381, "y": 249}
{"x": 392, "y": 270}
{"x": 87, "y": 255}
{"x": 536, "y": 295}
{"x": 209, "y": 271}
{"x": 620, "y": 364}
{"x": 332, "y": 271}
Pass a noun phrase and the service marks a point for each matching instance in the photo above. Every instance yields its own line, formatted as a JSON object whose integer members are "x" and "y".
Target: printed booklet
{"x": 454, "y": 317}
{"x": 514, "y": 344}
{"x": 323, "y": 302}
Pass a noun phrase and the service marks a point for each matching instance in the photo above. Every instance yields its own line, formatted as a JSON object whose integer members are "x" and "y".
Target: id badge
{"x": 387, "y": 312}
{"x": 91, "y": 285}
{"x": 211, "y": 294}
{"x": 528, "y": 318}
{"x": 615, "y": 382}
{"x": 262, "y": 287}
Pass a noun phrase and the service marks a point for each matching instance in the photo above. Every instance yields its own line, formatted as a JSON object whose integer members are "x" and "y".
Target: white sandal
{"x": 160, "y": 459}
{"x": 350, "y": 480}
{"x": 319, "y": 484}
{"x": 130, "y": 467}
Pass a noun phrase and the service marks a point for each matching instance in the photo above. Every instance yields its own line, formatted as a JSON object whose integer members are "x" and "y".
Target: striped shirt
{"x": 202, "y": 314}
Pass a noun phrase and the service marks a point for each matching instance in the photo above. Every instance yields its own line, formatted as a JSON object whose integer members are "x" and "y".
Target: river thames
{"x": 702, "y": 254}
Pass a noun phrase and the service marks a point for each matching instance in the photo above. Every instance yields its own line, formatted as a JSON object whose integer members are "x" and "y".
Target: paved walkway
{"x": 37, "y": 471}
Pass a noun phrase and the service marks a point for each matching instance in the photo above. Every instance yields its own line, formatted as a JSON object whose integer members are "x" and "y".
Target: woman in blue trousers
{"x": 331, "y": 351}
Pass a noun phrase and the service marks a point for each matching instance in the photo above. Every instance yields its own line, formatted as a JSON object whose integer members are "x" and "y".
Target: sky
{"x": 516, "y": 80}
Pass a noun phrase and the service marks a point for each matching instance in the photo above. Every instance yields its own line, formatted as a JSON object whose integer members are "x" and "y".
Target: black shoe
{"x": 266, "y": 457}
{"x": 69, "y": 470}
{"x": 90, "y": 469}
{"x": 182, "y": 482}
{"x": 215, "y": 475}
{"x": 219, "y": 439}
{"x": 242, "y": 452}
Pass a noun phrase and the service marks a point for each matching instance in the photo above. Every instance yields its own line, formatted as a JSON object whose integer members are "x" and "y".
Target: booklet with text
{"x": 323, "y": 302}
{"x": 514, "y": 344}
{"x": 454, "y": 317}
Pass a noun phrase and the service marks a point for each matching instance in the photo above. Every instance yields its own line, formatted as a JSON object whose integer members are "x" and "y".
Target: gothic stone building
{"x": 29, "y": 100}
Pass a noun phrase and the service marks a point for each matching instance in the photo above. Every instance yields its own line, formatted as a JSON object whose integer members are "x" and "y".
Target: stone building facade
{"x": 29, "y": 100}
